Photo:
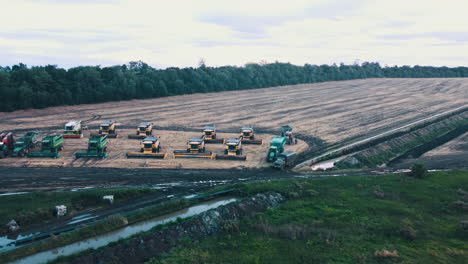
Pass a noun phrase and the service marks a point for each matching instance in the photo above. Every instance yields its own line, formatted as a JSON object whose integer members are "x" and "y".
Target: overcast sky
{"x": 178, "y": 33}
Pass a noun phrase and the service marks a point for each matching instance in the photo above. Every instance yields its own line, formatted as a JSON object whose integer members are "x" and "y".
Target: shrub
{"x": 419, "y": 170}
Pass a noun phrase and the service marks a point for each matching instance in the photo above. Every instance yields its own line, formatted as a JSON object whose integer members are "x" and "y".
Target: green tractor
{"x": 276, "y": 147}
{"x": 25, "y": 144}
{"x": 97, "y": 148}
{"x": 50, "y": 147}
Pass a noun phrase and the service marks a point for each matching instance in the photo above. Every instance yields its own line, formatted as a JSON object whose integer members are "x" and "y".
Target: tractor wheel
{"x": 141, "y": 150}
{"x": 225, "y": 152}
{"x": 237, "y": 152}
{"x": 252, "y": 137}
{"x": 213, "y": 137}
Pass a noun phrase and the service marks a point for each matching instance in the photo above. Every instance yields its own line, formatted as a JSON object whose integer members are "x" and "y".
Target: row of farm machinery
{"x": 150, "y": 145}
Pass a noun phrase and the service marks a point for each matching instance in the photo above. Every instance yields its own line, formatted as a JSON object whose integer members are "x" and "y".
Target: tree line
{"x": 23, "y": 87}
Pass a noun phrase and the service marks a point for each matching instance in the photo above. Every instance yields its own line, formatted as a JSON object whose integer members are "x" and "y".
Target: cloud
{"x": 179, "y": 33}
{"x": 446, "y": 36}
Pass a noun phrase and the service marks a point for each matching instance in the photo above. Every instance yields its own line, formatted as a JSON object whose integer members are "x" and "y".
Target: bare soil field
{"x": 453, "y": 154}
{"x": 170, "y": 141}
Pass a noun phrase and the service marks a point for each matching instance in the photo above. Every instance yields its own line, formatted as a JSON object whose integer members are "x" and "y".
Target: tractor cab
{"x": 233, "y": 146}
{"x": 196, "y": 144}
{"x": 72, "y": 129}
{"x": 247, "y": 132}
{"x": 209, "y": 132}
{"x": 106, "y": 126}
{"x": 145, "y": 128}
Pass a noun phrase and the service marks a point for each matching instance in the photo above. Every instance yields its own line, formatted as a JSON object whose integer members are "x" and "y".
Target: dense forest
{"x": 23, "y": 87}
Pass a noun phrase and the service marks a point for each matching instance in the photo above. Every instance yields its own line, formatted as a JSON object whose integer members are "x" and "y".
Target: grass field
{"x": 346, "y": 220}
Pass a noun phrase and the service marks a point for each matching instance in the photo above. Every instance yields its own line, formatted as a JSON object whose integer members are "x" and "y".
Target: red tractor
{"x": 7, "y": 143}
{"x": 287, "y": 131}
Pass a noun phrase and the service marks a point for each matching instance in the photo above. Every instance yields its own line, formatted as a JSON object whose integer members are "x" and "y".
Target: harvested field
{"x": 327, "y": 112}
{"x": 170, "y": 141}
{"x": 331, "y": 111}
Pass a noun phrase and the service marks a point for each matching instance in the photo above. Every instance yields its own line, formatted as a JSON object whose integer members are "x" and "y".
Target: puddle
{"x": 323, "y": 166}
{"x": 8, "y": 244}
{"x": 13, "y": 193}
{"x": 103, "y": 240}
{"x": 81, "y": 220}
{"x": 84, "y": 188}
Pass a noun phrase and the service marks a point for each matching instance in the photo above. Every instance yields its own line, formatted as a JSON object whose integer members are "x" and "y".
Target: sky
{"x": 179, "y": 33}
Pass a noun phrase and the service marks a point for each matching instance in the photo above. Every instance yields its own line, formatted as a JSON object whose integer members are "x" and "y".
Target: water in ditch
{"x": 125, "y": 232}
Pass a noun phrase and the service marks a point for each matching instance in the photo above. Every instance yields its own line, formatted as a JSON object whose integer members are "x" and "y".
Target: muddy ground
{"x": 30, "y": 179}
{"x": 170, "y": 141}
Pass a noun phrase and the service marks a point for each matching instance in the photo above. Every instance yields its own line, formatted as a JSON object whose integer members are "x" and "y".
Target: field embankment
{"x": 412, "y": 143}
{"x": 453, "y": 154}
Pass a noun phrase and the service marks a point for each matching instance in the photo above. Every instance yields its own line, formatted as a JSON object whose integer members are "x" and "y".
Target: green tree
{"x": 419, "y": 170}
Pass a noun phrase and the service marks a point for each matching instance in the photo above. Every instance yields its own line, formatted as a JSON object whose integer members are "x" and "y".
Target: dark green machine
{"x": 276, "y": 147}
{"x": 50, "y": 147}
{"x": 25, "y": 144}
{"x": 97, "y": 148}
{"x": 285, "y": 159}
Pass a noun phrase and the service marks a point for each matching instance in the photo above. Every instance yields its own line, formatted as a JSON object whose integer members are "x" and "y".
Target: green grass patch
{"x": 345, "y": 220}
